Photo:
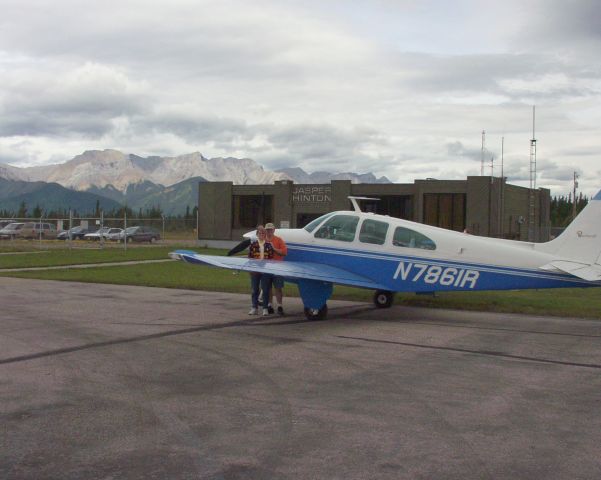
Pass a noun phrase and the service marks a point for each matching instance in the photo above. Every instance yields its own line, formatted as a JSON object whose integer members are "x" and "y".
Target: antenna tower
{"x": 482, "y": 156}
{"x": 532, "y": 196}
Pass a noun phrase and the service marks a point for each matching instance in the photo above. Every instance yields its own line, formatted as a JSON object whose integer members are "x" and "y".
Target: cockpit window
{"x": 313, "y": 225}
{"x": 373, "y": 231}
{"x": 404, "y": 237}
{"x": 339, "y": 227}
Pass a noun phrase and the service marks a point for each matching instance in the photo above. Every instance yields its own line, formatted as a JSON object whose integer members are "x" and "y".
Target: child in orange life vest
{"x": 260, "y": 250}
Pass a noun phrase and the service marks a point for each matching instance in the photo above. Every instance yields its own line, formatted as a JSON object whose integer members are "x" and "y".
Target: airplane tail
{"x": 578, "y": 248}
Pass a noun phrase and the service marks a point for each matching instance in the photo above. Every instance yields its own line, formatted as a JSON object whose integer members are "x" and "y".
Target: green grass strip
{"x": 52, "y": 258}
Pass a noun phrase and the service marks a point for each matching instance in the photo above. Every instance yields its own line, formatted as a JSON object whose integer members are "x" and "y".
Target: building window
{"x": 373, "y": 231}
{"x": 251, "y": 210}
{"x": 445, "y": 210}
{"x": 305, "y": 219}
{"x": 339, "y": 227}
{"x": 399, "y": 206}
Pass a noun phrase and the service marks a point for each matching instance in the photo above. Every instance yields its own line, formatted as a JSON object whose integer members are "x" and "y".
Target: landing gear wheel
{"x": 383, "y": 298}
{"x": 316, "y": 314}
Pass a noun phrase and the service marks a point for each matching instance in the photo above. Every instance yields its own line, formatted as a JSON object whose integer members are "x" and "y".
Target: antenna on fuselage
{"x": 356, "y": 207}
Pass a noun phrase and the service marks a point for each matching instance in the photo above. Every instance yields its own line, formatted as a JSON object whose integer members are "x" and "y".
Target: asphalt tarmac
{"x": 118, "y": 382}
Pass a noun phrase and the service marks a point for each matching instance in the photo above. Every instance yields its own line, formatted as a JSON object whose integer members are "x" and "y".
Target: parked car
{"x": 76, "y": 233}
{"x": 11, "y": 230}
{"x": 140, "y": 234}
{"x": 114, "y": 234}
{"x": 37, "y": 230}
{"x": 96, "y": 235}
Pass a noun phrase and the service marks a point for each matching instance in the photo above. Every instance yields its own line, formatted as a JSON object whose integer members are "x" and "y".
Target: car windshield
{"x": 14, "y": 226}
{"x": 131, "y": 229}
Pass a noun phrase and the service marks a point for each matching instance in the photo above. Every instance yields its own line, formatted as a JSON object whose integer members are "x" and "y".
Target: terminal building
{"x": 480, "y": 205}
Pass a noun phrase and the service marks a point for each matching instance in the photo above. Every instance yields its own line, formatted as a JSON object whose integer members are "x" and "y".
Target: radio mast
{"x": 532, "y": 203}
{"x": 482, "y": 155}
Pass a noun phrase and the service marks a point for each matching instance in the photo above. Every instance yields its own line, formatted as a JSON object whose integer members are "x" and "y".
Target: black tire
{"x": 383, "y": 298}
{"x": 315, "y": 315}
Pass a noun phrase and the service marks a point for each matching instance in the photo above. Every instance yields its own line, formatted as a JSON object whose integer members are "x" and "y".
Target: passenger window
{"x": 339, "y": 227}
{"x": 404, "y": 237}
{"x": 373, "y": 231}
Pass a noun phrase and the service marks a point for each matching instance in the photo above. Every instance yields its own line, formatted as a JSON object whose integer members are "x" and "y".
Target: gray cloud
{"x": 194, "y": 127}
{"x": 457, "y": 149}
{"x": 295, "y": 84}
{"x": 313, "y": 145}
{"x": 560, "y": 24}
{"x": 81, "y": 101}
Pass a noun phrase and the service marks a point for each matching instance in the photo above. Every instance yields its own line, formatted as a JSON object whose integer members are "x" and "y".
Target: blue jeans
{"x": 260, "y": 281}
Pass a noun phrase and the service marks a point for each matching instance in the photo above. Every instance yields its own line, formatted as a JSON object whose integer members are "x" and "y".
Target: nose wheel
{"x": 314, "y": 314}
{"x": 383, "y": 298}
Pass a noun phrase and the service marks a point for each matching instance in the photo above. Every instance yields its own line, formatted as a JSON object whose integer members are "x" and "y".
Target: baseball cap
{"x": 270, "y": 226}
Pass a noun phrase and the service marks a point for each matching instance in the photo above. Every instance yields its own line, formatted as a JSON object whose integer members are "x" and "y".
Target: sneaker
{"x": 253, "y": 311}
{"x": 265, "y": 312}
{"x": 280, "y": 310}
{"x": 270, "y": 309}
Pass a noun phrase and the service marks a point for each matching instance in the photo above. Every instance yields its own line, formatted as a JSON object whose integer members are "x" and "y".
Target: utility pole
{"x": 502, "y": 192}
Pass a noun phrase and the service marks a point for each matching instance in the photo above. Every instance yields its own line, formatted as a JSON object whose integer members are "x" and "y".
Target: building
{"x": 487, "y": 206}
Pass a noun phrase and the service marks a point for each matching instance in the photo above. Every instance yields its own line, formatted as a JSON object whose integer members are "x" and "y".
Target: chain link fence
{"x": 96, "y": 232}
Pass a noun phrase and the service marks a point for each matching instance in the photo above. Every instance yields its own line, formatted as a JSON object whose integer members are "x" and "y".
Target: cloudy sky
{"x": 400, "y": 88}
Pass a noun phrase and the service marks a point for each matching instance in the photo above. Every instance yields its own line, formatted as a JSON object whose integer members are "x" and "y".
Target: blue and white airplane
{"x": 390, "y": 255}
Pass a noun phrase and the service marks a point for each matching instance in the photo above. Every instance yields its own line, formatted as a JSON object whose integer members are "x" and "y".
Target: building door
{"x": 251, "y": 210}
{"x": 445, "y": 210}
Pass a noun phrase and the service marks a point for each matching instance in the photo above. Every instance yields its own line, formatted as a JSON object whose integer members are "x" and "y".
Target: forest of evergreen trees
{"x": 36, "y": 212}
{"x": 562, "y": 209}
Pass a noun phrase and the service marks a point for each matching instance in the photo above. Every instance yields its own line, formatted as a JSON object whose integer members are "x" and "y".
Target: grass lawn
{"x": 57, "y": 257}
{"x": 574, "y": 302}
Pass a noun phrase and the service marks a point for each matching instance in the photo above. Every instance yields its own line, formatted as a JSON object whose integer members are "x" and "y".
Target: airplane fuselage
{"x": 448, "y": 261}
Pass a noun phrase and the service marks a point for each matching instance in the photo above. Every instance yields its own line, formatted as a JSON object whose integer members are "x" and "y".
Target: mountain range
{"x": 115, "y": 178}
{"x": 49, "y": 196}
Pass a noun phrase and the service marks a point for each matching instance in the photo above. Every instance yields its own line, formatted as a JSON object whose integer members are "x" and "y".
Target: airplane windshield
{"x": 404, "y": 237}
{"x": 339, "y": 227}
{"x": 313, "y": 225}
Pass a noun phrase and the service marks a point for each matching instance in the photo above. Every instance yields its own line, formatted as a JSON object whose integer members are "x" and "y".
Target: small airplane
{"x": 389, "y": 255}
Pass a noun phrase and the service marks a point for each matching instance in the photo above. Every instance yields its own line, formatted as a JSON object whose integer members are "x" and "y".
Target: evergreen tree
{"x": 22, "y": 212}
{"x": 562, "y": 209}
{"x": 37, "y": 212}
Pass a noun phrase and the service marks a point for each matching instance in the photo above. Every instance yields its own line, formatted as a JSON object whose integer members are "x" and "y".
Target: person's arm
{"x": 281, "y": 249}
{"x": 244, "y": 244}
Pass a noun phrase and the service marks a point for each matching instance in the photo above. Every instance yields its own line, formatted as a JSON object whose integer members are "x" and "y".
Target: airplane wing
{"x": 287, "y": 269}
{"x": 591, "y": 273}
